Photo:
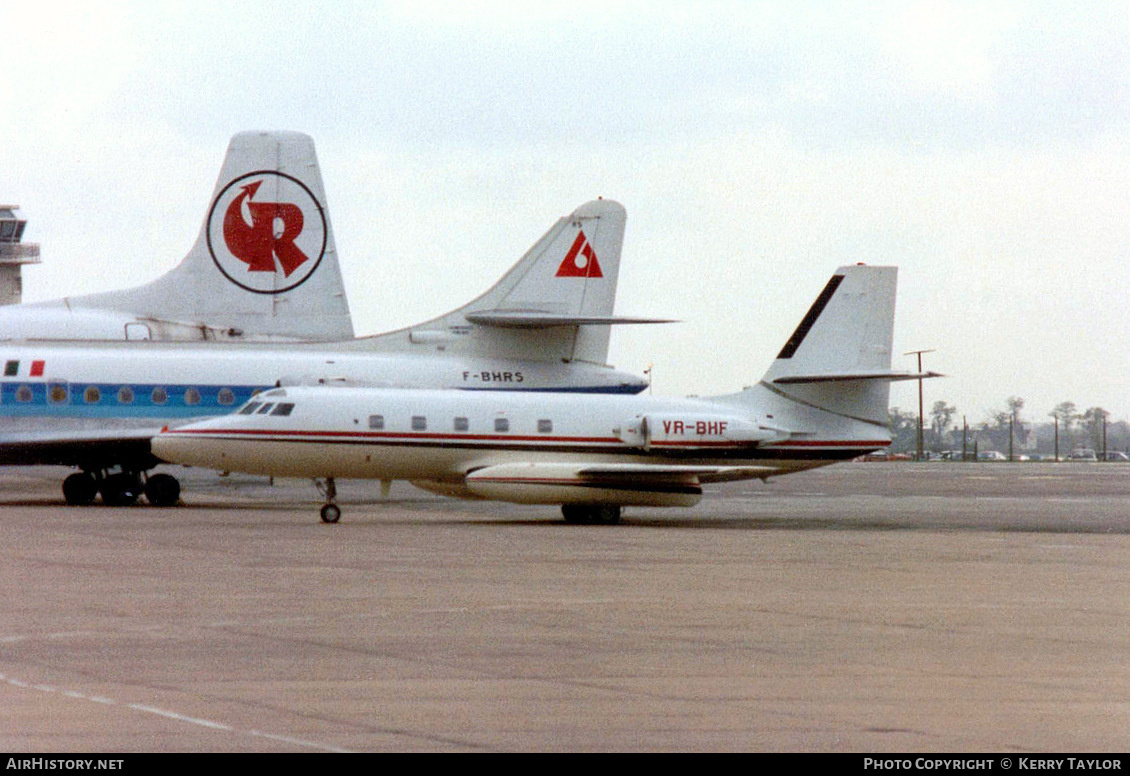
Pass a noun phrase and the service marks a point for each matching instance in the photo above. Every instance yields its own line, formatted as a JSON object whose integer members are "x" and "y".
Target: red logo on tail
{"x": 580, "y": 261}
{"x": 257, "y": 244}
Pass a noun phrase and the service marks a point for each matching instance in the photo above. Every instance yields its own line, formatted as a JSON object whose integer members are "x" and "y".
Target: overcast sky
{"x": 980, "y": 147}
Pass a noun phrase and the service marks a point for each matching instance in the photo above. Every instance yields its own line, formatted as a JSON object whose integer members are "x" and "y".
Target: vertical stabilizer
{"x": 839, "y": 357}
{"x": 554, "y": 304}
{"x": 264, "y": 265}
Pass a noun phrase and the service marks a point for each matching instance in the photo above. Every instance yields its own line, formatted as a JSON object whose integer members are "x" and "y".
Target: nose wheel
{"x": 331, "y": 512}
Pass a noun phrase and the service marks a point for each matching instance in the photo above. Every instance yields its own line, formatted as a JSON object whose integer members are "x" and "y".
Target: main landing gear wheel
{"x": 591, "y": 514}
{"x": 162, "y": 490}
{"x": 79, "y": 489}
{"x": 121, "y": 490}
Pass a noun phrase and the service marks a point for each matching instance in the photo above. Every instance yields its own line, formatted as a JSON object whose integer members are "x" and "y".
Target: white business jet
{"x": 824, "y": 399}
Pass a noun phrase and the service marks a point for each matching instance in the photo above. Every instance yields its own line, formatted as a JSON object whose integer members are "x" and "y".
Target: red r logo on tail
{"x": 267, "y": 247}
{"x": 257, "y": 245}
{"x": 580, "y": 261}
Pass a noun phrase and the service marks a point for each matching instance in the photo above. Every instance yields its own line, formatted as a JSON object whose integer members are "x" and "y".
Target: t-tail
{"x": 839, "y": 358}
{"x": 264, "y": 266}
{"x": 555, "y": 304}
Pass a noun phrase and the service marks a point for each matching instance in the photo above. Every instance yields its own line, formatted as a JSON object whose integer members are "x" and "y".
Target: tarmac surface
{"x": 878, "y": 607}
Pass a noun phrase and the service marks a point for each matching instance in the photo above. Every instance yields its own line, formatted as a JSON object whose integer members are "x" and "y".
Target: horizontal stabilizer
{"x": 891, "y": 377}
{"x": 534, "y": 319}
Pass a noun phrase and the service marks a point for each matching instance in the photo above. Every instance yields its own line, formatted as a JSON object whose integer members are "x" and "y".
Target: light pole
{"x": 919, "y": 353}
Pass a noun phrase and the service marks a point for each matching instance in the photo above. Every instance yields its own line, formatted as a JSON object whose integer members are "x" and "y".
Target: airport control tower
{"x": 13, "y": 254}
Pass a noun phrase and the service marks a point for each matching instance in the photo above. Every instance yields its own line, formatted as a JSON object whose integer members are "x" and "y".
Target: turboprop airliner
{"x": 824, "y": 399}
{"x": 263, "y": 267}
{"x": 543, "y": 327}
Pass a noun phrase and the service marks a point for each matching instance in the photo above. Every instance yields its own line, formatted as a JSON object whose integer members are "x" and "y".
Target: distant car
{"x": 1082, "y": 454}
{"x": 991, "y": 455}
{"x": 1112, "y": 455}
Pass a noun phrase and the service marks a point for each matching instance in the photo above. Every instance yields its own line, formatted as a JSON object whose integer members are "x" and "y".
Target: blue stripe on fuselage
{"x": 104, "y": 400}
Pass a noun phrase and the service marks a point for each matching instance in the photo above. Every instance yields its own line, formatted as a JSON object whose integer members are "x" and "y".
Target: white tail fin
{"x": 264, "y": 265}
{"x": 554, "y": 304}
{"x": 839, "y": 357}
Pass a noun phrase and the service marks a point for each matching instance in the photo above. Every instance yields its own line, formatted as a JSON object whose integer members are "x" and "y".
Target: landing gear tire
{"x": 331, "y": 513}
{"x": 79, "y": 489}
{"x": 574, "y": 514}
{"x": 162, "y": 490}
{"x": 606, "y": 514}
{"x": 121, "y": 490}
{"x": 591, "y": 514}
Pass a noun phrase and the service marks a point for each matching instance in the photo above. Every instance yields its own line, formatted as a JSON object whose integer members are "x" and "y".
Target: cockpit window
{"x": 265, "y": 408}
{"x": 250, "y": 407}
{"x": 283, "y": 408}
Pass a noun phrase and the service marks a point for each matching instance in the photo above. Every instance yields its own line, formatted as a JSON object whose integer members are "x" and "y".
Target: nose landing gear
{"x": 331, "y": 512}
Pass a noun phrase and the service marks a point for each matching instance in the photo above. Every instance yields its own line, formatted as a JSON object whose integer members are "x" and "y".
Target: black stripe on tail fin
{"x": 810, "y": 317}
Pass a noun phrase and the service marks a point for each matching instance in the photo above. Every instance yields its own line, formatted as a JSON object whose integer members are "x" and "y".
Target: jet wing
{"x": 624, "y": 484}
{"x": 78, "y": 447}
{"x": 626, "y": 473}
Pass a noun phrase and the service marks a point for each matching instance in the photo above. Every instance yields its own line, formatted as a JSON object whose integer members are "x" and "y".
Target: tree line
{"x": 1007, "y": 430}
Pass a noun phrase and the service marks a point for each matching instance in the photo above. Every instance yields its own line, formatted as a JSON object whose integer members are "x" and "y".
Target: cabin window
{"x": 419, "y": 423}
{"x": 250, "y": 407}
{"x": 23, "y": 394}
{"x": 159, "y": 396}
{"x": 192, "y": 397}
{"x": 462, "y": 424}
{"x": 226, "y": 397}
{"x": 545, "y": 426}
{"x": 377, "y": 422}
{"x": 57, "y": 394}
{"x": 125, "y": 395}
{"x": 502, "y": 425}
{"x": 265, "y": 408}
{"x": 284, "y": 408}
{"x": 92, "y": 395}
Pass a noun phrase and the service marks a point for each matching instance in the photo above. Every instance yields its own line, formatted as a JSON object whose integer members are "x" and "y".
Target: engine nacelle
{"x": 691, "y": 430}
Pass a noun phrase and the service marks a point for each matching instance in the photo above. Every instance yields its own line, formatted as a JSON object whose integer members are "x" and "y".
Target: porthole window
{"x": 159, "y": 396}
{"x": 226, "y": 397}
{"x": 92, "y": 395}
{"x": 57, "y": 394}
{"x": 23, "y": 394}
{"x": 125, "y": 395}
{"x": 192, "y": 397}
